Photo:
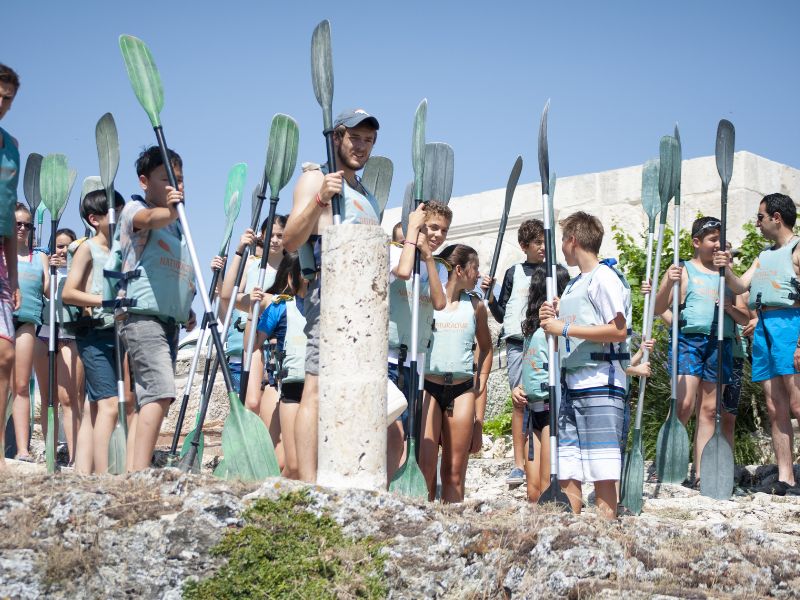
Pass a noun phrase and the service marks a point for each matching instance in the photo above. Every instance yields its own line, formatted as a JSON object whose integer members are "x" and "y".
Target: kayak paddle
{"x": 30, "y": 185}
{"x": 377, "y": 178}
{"x": 513, "y": 179}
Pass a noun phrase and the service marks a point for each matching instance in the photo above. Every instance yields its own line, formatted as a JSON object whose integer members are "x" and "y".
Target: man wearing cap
{"x": 355, "y": 133}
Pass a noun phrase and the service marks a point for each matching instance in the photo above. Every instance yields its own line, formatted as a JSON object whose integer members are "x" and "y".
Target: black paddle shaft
{"x": 330, "y": 149}
{"x": 52, "y": 384}
{"x": 721, "y": 301}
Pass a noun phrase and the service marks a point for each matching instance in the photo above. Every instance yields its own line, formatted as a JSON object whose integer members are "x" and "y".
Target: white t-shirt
{"x": 608, "y": 295}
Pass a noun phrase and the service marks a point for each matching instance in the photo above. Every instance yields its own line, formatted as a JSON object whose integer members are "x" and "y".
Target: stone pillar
{"x": 353, "y": 348}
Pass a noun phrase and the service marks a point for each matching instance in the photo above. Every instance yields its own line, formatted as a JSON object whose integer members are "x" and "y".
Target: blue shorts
{"x": 236, "y": 375}
{"x": 774, "y": 343}
{"x": 697, "y": 356}
{"x": 96, "y": 350}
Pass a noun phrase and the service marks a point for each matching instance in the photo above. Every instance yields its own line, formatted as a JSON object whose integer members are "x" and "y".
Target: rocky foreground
{"x": 148, "y": 534}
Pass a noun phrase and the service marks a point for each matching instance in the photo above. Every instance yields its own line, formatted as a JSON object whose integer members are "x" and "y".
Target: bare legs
{"x": 305, "y": 429}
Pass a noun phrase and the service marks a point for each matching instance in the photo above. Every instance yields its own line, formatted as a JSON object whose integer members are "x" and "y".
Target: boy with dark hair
{"x": 159, "y": 298}
{"x": 593, "y": 318}
{"x": 772, "y": 281}
{"x": 697, "y": 338}
{"x": 94, "y": 335}
{"x": 509, "y": 309}
{"x": 9, "y": 286}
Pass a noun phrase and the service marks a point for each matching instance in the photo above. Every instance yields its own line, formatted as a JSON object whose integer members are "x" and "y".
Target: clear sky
{"x": 619, "y": 74}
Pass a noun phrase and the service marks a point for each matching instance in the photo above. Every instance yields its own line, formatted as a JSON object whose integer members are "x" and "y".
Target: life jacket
{"x": 292, "y": 358}
{"x": 575, "y": 307}
{"x": 95, "y": 317}
{"x": 534, "y": 369}
{"x": 235, "y": 341}
{"x": 453, "y": 341}
{"x": 9, "y": 179}
{"x": 517, "y": 303}
{"x": 31, "y": 286}
{"x": 773, "y": 283}
{"x": 161, "y": 283}
{"x": 358, "y": 207}
{"x": 699, "y": 311}
{"x": 65, "y": 313}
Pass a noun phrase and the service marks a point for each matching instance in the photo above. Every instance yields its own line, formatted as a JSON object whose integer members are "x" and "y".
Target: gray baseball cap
{"x": 352, "y": 117}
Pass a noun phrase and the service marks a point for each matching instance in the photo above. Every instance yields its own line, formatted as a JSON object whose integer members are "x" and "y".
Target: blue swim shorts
{"x": 774, "y": 343}
{"x": 697, "y": 356}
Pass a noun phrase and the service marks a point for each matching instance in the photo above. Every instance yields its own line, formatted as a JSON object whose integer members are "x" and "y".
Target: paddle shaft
{"x": 415, "y": 387}
{"x": 52, "y": 344}
{"x": 118, "y": 352}
{"x": 721, "y": 305}
{"x": 676, "y": 303}
{"x": 552, "y": 367}
{"x": 336, "y": 201}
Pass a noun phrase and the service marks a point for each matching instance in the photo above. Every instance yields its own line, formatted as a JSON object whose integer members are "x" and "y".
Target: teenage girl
{"x": 455, "y": 395}
{"x": 33, "y": 273}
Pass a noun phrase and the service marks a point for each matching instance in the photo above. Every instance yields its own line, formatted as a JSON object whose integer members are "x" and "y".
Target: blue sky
{"x": 619, "y": 74}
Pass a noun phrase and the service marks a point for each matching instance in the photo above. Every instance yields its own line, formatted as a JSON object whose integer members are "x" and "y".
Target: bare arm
{"x": 308, "y": 216}
{"x": 484, "y": 359}
{"x": 10, "y": 254}
{"x": 77, "y": 280}
{"x": 663, "y": 297}
{"x": 45, "y": 272}
{"x": 738, "y": 311}
{"x": 738, "y": 285}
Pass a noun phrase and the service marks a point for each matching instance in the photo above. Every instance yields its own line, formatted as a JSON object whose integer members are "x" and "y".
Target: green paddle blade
{"x": 55, "y": 184}
{"x": 246, "y": 445}
{"x": 716, "y": 468}
{"x": 143, "y": 75}
{"x": 437, "y": 179}
{"x": 377, "y": 178}
{"x": 726, "y": 136}
{"x": 222, "y": 470}
{"x": 116, "y": 451}
{"x": 284, "y": 138}
{"x": 30, "y": 180}
{"x": 544, "y": 153}
{"x": 676, "y": 168}
{"x": 665, "y": 178}
{"x": 201, "y": 444}
{"x": 409, "y": 480}
{"x": 233, "y": 201}
{"x": 651, "y": 203}
{"x": 322, "y": 70}
{"x": 632, "y": 484}
{"x": 40, "y": 216}
{"x": 408, "y": 206}
{"x": 672, "y": 449}
{"x": 418, "y": 148}
{"x": 50, "y": 440}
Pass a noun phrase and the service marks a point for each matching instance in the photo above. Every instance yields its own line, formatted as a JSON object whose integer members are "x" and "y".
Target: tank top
{"x": 9, "y": 179}
{"x": 772, "y": 281}
{"x": 31, "y": 286}
{"x": 699, "y": 313}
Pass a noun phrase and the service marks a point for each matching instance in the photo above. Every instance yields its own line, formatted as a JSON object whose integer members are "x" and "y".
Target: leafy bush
{"x": 501, "y": 424}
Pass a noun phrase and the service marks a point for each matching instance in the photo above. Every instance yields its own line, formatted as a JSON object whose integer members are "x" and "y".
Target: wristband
{"x": 410, "y": 243}
{"x": 237, "y": 253}
{"x": 564, "y": 333}
{"x": 320, "y": 203}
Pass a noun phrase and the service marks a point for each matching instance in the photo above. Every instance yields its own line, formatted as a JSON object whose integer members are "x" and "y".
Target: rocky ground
{"x": 145, "y": 535}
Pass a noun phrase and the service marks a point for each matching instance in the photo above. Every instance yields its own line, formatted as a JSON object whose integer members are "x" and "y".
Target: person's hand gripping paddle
{"x": 257, "y": 461}
{"x": 716, "y": 461}
{"x": 55, "y": 180}
{"x": 672, "y": 445}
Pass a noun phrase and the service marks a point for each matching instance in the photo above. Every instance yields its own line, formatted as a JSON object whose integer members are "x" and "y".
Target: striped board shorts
{"x": 590, "y": 425}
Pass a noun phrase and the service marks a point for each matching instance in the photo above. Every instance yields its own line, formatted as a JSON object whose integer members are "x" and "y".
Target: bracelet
{"x": 564, "y": 333}
{"x": 237, "y": 253}
{"x": 320, "y": 203}
{"x": 410, "y": 243}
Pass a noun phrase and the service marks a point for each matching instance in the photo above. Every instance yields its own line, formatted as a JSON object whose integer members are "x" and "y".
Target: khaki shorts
{"x": 311, "y": 307}
{"x": 152, "y": 348}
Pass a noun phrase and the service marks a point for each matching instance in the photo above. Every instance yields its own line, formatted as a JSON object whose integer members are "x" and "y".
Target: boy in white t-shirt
{"x": 592, "y": 317}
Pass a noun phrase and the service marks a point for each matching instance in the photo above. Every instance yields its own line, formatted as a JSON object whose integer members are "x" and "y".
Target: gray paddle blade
{"x": 418, "y": 147}
{"x": 632, "y": 484}
{"x": 54, "y": 180}
{"x": 716, "y": 468}
{"x": 676, "y": 168}
{"x": 726, "y": 137}
{"x": 284, "y": 138}
{"x": 116, "y": 452}
{"x": 651, "y": 202}
{"x": 552, "y": 190}
{"x": 408, "y": 206}
{"x": 377, "y": 178}
{"x": 30, "y": 180}
{"x": 322, "y": 70}
{"x": 544, "y": 154}
{"x": 105, "y": 134}
{"x": 672, "y": 451}
{"x": 513, "y": 180}
{"x": 90, "y": 184}
{"x": 437, "y": 179}
{"x": 255, "y": 205}
{"x": 666, "y": 154}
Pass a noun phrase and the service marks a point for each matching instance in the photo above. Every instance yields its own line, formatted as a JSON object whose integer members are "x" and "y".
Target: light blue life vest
{"x": 517, "y": 303}
{"x": 772, "y": 281}
{"x": 235, "y": 340}
{"x": 293, "y": 362}
{"x": 576, "y": 308}
{"x": 699, "y": 312}
{"x": 31, "y": 285}
{"x": 9, "y": 179}
{"x": 65, "y": 313}
{"x": 101, "y": 319}
{"x": 534, "y": 369}
{"x": 453, "y": 341}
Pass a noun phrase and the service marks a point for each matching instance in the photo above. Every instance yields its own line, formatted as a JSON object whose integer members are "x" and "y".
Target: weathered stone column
{"x": 353, "y": 348}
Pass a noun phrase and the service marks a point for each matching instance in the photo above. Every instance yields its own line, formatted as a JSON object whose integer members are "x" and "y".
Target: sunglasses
{"x": 24, "y": 225}
{"x": 760, "y": 217}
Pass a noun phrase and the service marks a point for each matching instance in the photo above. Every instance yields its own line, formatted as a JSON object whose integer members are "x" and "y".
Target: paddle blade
{"x": 552, "y": 189}
{"x": 255, "y": 203}
{"x": 437, "y": 179}
{"x": 116, "y": 451}
{"x": 322, "y": 70}
{"x": 90, "y": 184}
{"x": 666, "y": 156}
{"x": 672, "y": 451}
{"x": 50, "y": 441}
{"x": 408, "y": 206}
{"x": 513, "y": 180}
{"x": 651, "y": 202}
{"x": 284, "y": 138}
{"x": 408, "y": 480}
{"x": 676, "y": 167}
{"x": 246, "y": 445}
{"x": 222, "y": 470}
{"x": 632, "y": 483}
{"x": 30, "y": 180}
{"x": 234, "y": 191}
{"x": 105, "y": 134}
{"x": 726, "y": 136}
{"x": 418, "y": 147}
{"x": 54, "y": 181}
{"x": 544, "y": 154}
{"x": 716, "y": 468}
{"x": 196, "y": 458}
{"x": 377, "y": 178}
{"x": 555, "y": 495}
{"x": 143, "y": 75}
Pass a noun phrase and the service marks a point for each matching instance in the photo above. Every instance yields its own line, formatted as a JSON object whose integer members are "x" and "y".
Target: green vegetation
{"x": 501, "y": 424}
{"x": 286, "y": 551}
